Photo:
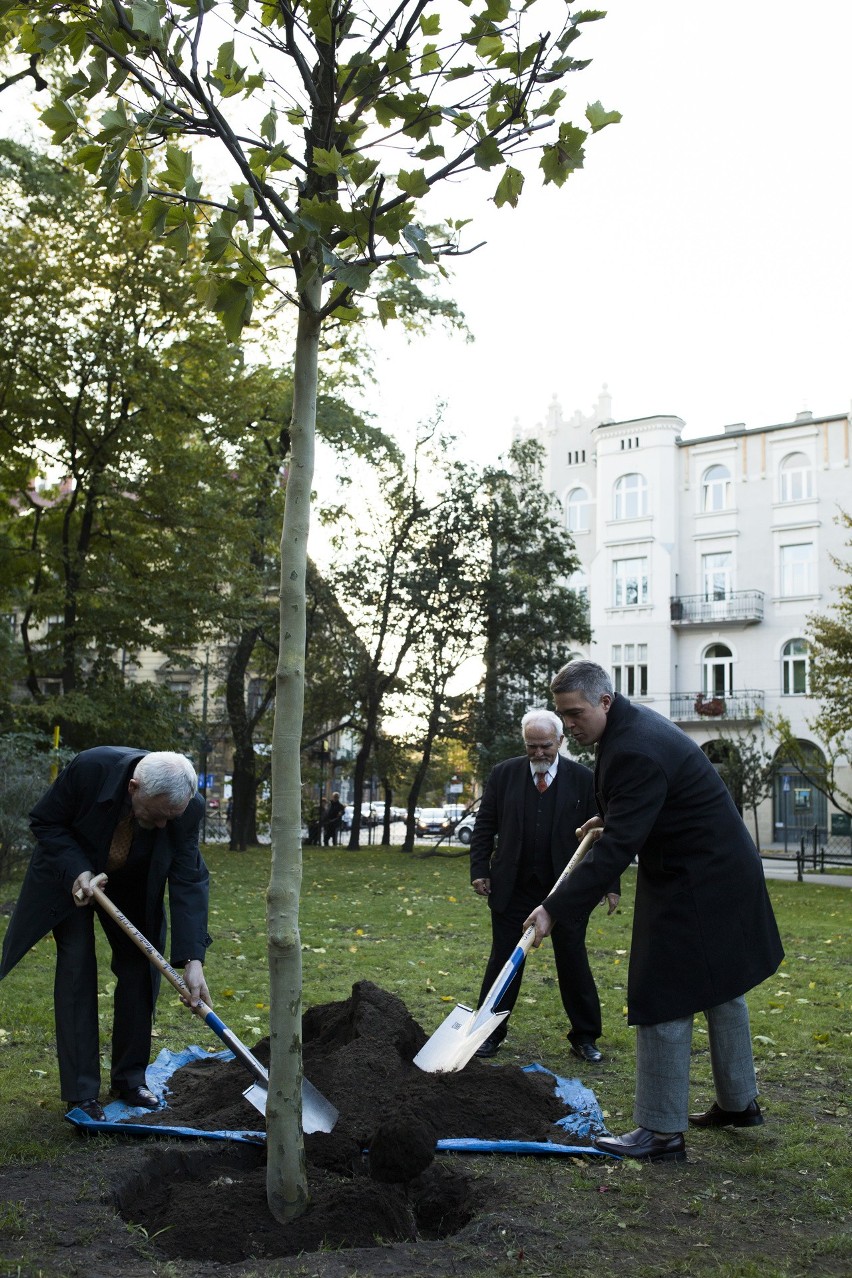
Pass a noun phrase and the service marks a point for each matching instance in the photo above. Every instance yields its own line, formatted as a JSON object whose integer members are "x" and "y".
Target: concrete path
{"x": 781, "y": 869}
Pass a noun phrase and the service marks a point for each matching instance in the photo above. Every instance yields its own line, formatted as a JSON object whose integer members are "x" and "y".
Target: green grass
{"x": 774, "y": 1201}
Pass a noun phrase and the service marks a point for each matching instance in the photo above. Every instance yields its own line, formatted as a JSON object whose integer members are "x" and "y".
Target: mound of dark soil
{"x": 372, "y": 1178}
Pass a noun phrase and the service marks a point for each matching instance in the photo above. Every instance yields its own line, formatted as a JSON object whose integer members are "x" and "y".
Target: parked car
{"x": 433, "y": 821}
{"x": 464, "y": 829}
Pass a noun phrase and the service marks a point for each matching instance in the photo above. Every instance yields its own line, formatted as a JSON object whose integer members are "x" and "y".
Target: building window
{"x": 629, "y": 582}
{"x": 716, "y": 574}
{"x": 796, "y": 478}
{"x": 797, "y": 569}
{"x": 716, "y": 488}
{"x": 577, "y": 457}
{"x": 718, "y": 670}
{"x": 630, "y": 669}
{"x": 795, "y": 668}
{"x": 577, "y": 510}
{"x": 631, "y": 497}
{"x": 255, "y": 698}
{"x": 579, "y": 583}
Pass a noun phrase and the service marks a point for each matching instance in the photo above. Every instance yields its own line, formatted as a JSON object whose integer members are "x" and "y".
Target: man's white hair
{"x": 163, "y": 773}
{"x": 544, "y": 717}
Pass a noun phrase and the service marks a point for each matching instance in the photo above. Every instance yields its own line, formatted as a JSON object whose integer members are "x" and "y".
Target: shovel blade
{"x": 456, "y": 1040}
{"x": 318, "y": 1114}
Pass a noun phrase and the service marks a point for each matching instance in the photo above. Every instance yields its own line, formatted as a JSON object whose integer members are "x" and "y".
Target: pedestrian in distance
{"x": 333, "y": 819}
{"x": 703, "y": 928}
{"x": 523, "y": 838}
{"x": 134, "y": 817}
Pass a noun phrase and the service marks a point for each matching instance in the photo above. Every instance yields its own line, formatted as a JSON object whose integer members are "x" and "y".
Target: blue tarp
{"x": 583, "y": 1119}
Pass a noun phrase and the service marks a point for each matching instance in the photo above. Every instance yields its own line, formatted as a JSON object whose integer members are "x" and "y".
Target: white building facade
{"x": 703, "y": 559}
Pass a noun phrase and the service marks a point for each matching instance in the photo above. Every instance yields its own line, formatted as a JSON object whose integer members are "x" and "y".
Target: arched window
{"x": 716, "y": 488}
{"x": 796, "y": 478}
{"x": 797, "y": 802}
{"x": 795, "y": 668}
{"x": 631, "y": 497}
{"x": 718, "y": 665}
{"x": 577, "y": 508}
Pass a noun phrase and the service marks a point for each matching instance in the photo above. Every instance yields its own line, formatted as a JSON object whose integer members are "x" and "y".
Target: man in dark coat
{"x": 333, "y": 819}
{"x": 522, "y": 840}
{"x": 133, "y": 817}
{"x": 703, "y": 931}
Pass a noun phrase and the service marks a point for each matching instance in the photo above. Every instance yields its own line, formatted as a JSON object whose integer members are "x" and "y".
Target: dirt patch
{"x": 372, "y": 1178}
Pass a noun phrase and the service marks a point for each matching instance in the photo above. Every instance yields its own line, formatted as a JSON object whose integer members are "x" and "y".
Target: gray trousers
{"x": 662, "y": 1066}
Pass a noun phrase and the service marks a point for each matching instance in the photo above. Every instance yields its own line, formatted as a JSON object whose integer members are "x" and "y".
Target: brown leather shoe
{"x": 715, "y": 1116}
{"x": 138, "y": 1098}
{"x": 645, "y": 1145}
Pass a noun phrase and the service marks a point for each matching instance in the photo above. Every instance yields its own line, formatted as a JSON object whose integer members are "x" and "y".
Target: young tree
{"x": 747, "y": 767}
{"x": 307, "y": 102}
{"x": 532, "y": 619}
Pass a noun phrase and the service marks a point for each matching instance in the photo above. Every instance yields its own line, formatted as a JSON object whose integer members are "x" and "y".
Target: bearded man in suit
{"x": 523, "y": 838}
{"x": 134, "y": 817}
{"x": 703, "y": 928}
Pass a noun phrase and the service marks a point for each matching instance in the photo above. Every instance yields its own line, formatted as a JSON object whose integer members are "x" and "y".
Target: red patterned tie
{"x": 541, "y": 782}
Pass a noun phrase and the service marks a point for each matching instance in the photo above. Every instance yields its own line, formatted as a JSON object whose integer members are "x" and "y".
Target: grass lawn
{"x": 769, "y": 1201}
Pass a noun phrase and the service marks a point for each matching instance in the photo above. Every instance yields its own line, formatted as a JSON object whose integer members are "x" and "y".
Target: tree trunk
{"x": 286, "y": 1176}
{"x": 244, "y": 779}
{"x": 359, "y": 776}
{"x": 421, "y": 770}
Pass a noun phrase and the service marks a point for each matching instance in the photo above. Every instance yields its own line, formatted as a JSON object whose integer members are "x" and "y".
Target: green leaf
{"x": 61, "y": 119}
{"x": 488, "y": 154}
{"x": 560, "y": 160}
{"x": 145, "y": 19}
{"x": 268, "y": 125}
{"x": 387, "y": 310}
{"x": 490, "y": 47}
{"x": 431, "y": 152}
{"x": 178, "y": 168}
{"x": 89, "y": 157}
{"x": 430, "y": 61}
{"x": 413, "y": 183}
{"x": 327, "y": 161}
{"x": 430, "y": 24}
{"x": 509, "y": 188}
{"x": 599, "y": 118}
{"x": 355, "y": 274}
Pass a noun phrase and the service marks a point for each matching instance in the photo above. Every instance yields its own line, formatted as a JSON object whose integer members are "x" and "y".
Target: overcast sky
{"x": 699, "y": 265}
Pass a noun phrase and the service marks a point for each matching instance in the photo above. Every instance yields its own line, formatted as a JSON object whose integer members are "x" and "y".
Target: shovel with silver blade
{"x": 318, "y": 1114}
{"x": 455, "y": 1041}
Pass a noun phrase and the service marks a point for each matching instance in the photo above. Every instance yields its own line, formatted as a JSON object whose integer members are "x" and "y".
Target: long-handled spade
{"x": 318, "y": 1114}
{"x": 455, "y": 1041}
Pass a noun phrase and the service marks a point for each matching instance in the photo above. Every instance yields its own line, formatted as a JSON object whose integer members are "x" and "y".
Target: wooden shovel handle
{"x": 142, "y": 943}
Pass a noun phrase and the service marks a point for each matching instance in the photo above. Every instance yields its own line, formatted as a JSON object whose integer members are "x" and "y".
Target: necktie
{"x": 541, "y": 782}
{"x": 119, "y": 849}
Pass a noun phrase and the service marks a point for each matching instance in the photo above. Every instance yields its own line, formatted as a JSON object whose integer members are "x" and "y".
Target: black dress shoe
{"x": 715, "y": 1116}
{"x": 490, "y": 1047}
{"x": 586, "y": 1052}
{"x": 139, "y": 1098}
{"x": 645, "y": 1145}
{"x": 92, "y": 1108}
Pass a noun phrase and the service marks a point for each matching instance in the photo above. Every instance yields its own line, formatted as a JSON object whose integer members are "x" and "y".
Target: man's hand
{"x": 482, "y": 887}
{"x": 542, "y": 922}
{"x": 193, "y": 974}
{"x": 593, "y": 823}
{"x": 81, "y": 888}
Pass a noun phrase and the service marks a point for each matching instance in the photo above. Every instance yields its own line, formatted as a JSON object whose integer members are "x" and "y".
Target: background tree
{"x": 332, "y": 91}
{"x": 747, "y": 766}
{"x": 532, "y": 619}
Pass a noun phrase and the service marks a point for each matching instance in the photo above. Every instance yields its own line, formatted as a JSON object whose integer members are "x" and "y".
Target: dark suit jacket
{"x": 500, "y": 821}
{"x": 703, "y": 927}
{"x": 73, "y": 824}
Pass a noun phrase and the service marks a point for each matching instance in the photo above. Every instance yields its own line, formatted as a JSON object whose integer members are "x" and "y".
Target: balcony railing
{"x": 702, "y": 707}
{"x": 738, "y": 608}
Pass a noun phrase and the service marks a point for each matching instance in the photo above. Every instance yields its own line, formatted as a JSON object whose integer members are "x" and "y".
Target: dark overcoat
{"x": 703, "y": 927}
{"x": 73, "y": 824}
{"x": 501, "y": 813}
